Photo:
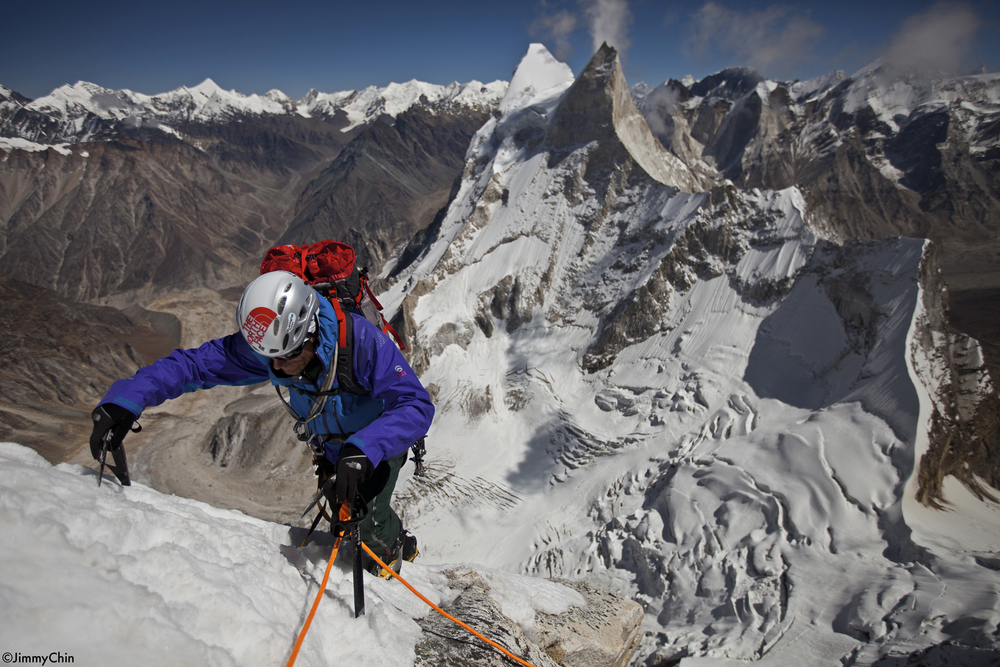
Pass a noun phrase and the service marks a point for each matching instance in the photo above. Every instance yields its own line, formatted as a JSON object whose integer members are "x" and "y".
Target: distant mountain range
{"x": 143, "y": 192}
{"x": 84, "y": 112}
{"x": 880, "y": 152}
{"x": 920, "y": 155}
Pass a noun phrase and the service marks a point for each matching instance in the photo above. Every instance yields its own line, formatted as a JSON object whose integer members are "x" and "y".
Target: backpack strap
{"x": 386, "y": 327}
{"x": 343, "y": 372}
{"x": 345, "y": 351}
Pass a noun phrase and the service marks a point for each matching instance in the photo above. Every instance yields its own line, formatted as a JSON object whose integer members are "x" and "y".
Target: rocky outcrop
{"x": 964, "y": 424}
{"x": 604, "y": 633}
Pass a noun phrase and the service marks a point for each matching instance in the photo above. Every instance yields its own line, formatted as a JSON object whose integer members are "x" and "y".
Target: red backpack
{"x": 329, "y": 266}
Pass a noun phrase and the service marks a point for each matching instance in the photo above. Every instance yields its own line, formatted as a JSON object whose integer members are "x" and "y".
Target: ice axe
{"x": 113, "y": 442}
{"x": 350, "y": 523}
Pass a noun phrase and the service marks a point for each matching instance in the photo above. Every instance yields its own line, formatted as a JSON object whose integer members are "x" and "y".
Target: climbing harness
{"x": 301, "y": 427}
{"x": 341, "y": 371}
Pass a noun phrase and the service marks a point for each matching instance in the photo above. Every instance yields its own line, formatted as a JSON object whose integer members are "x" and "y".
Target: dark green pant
{"x": 382, "y": 526}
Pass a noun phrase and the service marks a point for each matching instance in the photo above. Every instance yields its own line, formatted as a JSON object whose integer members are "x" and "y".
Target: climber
{"x": 289, "y": 334}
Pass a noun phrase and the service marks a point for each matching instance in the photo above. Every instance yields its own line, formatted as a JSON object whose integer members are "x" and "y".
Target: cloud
{"x": 609, "y": 21}
{"x": 774, "y": 40}
{"x": 556, "y": 28}
{"x": 605, "y": 21}
{"x": 939, "y": 39}
{"x": 659, "y": 108}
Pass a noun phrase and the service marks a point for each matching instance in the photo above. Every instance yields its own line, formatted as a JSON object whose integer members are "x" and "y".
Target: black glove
{"x": 353, "y": 468}
{"x": 109, "y": 417}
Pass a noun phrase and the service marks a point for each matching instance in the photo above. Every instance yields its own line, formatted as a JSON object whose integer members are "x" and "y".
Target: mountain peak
{"x": 276, "y": 94}
{"x": 537, "y": 73}
{"x": 8, "y": 94}
{"x": 729, "y": 83}
{"x": 599, "y": 106}
{"x": 207, "y": 86}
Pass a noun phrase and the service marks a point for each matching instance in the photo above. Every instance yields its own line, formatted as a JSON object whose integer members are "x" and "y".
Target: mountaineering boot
{"x": 404, "y": 549}
{"x": 409, "y": 550}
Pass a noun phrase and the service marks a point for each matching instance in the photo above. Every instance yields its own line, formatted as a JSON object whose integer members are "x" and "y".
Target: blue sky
{"x": 255, "y": 46}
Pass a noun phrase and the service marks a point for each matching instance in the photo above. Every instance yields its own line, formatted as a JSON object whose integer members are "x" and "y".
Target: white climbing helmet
{"x": 275, "y": 312}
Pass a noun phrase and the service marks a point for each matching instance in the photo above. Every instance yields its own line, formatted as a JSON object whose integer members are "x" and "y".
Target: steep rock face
{"x": 599, "y": 108}
{"x": 963, "y": 427}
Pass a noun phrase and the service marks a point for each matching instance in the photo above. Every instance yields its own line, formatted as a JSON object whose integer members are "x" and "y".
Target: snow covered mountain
{"x": 882, "y": 152}
{"x": 84, "y": 111}
{"x": 694, "y": 396}
{"x": 182, "y": 189}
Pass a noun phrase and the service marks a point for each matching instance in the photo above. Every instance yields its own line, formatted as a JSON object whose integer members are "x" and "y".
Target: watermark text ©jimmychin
{"x": 54, "y": 658}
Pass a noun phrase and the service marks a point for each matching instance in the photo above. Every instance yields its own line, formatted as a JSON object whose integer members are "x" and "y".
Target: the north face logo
{"x": 257, "y": 323}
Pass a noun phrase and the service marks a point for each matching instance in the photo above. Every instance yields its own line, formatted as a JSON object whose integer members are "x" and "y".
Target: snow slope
{"x": 118, "y": 576}
{"x": 690, "y": 398}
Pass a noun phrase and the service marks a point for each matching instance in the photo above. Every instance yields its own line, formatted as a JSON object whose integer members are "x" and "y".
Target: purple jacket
{"x": 383, "y": 424}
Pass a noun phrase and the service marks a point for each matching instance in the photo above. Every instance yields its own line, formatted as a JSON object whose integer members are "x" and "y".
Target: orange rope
{"x": 442, "y": 611}
{"x": 319, "y": 595}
